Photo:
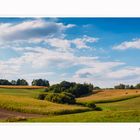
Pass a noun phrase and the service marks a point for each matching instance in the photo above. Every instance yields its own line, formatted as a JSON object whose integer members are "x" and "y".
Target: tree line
{"x": 23, "y": 82}
{"x": 63, "y": 86}
{"x": 123, "y": 86}
{"x": 74, "y": 88}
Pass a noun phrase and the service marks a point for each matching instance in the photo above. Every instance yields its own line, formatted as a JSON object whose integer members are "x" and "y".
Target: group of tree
{"x": 65, "y": 92}
{"x": 123, "y": 86}
{"x": 75, "y": 89}
{"x": 40, "y": 82}
{"x": 4, "y": 82}
{"x": 23, "y": 82}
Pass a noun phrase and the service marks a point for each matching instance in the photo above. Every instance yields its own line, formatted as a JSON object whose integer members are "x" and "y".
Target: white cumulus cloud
{"x": 134, "y": 44}
{"x": 31, "y": 29}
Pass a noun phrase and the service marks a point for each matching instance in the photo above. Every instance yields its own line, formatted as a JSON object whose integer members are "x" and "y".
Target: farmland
{"x": 106, "y": 96}
{"x": 117, "y": 106}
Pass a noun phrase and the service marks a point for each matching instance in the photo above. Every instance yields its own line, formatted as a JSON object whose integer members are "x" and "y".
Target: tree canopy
{"x": 40, "y": 82}
{"x": 22, "y": 82}
{"x": 76, "y": 89}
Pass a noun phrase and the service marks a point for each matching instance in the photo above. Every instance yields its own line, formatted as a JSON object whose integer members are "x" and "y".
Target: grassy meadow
{"x": 116, "y": 105}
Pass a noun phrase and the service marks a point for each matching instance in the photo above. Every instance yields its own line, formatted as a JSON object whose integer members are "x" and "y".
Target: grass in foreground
{"x": 94, "y": 116}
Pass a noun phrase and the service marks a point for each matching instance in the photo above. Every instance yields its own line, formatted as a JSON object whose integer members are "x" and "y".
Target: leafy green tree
{"x": 74, "y": 88}
{"x": 13, "y": 82}
{"x": 137, "y": 86}
{"x": 4, "y": 82}
{"x": 21, "y": 82}
{"x": 131, "y": 87}
{"x": 120, "y": 86}
{"x": 96, "y": 88}
{"x": 81, "y": 89}
{"x": 56, "y": 88}
{"x": 40, "y": 82}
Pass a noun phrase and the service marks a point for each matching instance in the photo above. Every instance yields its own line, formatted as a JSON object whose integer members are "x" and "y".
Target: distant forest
{"x": 44, "y": 82}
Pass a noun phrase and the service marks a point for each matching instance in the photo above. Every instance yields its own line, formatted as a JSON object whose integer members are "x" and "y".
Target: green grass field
{"x": 21, "y": 92}
{"x": 117, "y": 106}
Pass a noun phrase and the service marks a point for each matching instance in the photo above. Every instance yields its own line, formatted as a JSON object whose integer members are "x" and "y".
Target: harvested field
{"x": 110, "y": 96}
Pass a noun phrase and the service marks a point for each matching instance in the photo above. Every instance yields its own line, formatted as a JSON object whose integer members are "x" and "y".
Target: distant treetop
{"x": 40, "y": 82}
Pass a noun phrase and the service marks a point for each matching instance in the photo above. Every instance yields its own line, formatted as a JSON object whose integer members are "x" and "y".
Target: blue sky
{"x": 102, "y": 51}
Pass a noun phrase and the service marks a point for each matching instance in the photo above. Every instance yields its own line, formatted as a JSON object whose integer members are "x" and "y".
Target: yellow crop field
{"x": 110, "y": 95}
{"x": 31, "y": 105}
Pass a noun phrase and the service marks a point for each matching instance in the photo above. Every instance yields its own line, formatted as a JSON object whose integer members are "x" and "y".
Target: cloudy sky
{"x": 102, "y": 51}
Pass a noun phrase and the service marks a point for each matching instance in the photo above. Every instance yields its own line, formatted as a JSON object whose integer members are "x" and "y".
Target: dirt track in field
{"x": 5, "y": 114}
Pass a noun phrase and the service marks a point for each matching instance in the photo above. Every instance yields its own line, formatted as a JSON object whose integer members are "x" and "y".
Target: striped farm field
{"x": 31, "y": 105}
{"x": 105, "y": 96}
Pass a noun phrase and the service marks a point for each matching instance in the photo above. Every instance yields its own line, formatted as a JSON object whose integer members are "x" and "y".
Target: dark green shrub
{"x": 98, "y": 109}
{"x": 91, "y": 105}
{"x": 55, "y": 88}
{"x": 41, "y": 96}
{"x": 63, "y": 98}
{"x": 87, "y": 104}
{"x": 46, "y": 90}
